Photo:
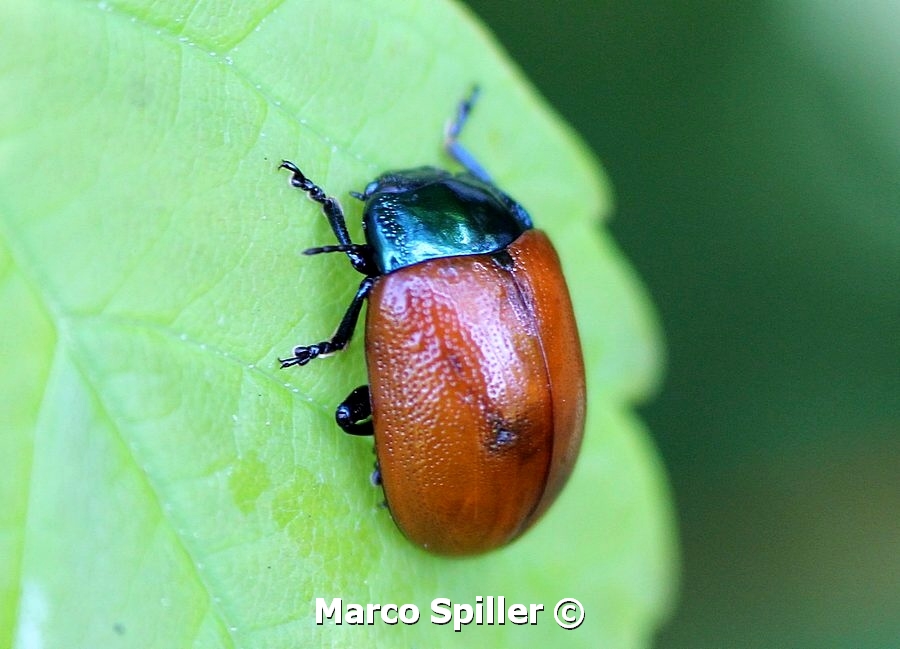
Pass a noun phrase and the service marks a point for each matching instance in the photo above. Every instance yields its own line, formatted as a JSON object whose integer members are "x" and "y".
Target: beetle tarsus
{"x": 302, "y": 355}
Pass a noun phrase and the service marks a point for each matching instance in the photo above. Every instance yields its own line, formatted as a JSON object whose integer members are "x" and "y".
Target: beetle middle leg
{"x": 354, "y": 414}
{"x": 305, "y": 353}
{"x": 451, "y": 138}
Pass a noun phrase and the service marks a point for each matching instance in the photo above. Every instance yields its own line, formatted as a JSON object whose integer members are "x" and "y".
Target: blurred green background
{"x": 755, "y": 152}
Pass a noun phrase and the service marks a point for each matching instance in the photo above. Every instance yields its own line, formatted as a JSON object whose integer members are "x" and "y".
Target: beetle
{"x": 476, "y": 394}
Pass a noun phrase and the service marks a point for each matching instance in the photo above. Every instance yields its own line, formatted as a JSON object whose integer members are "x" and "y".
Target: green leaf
{"x": 163, "y": 483}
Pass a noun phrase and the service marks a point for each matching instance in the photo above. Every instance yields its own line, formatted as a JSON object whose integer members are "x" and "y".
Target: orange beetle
{"x": 476, "y": 396}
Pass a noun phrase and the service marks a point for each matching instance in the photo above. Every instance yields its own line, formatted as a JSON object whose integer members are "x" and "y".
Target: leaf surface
{"x": 164, "y": 484}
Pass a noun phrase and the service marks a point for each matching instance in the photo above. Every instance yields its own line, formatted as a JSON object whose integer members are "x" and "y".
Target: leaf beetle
{"x": 476, "y": 395}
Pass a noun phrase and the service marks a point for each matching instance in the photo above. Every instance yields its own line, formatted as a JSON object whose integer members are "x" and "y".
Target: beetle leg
{"x": 375, "y": 478}
{"x": 358, "y": 248}
{"x": 451, "y": 138}
{"x": 305, "y": 353}
{"x": 361, "y": 261}
{"x": 354, "y": 415}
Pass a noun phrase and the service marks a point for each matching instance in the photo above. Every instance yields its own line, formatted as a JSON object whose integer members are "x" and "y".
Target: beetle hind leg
{"x": 375, "y": 478}
{"x": 354, "y": 414}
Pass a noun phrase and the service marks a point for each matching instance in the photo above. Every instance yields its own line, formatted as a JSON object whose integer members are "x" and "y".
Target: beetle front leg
{"x": 357, "y": 254}
{"x": 451, "y": 139}
{"x": 305, "y": 353}
{"x": 354, "y": 415}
